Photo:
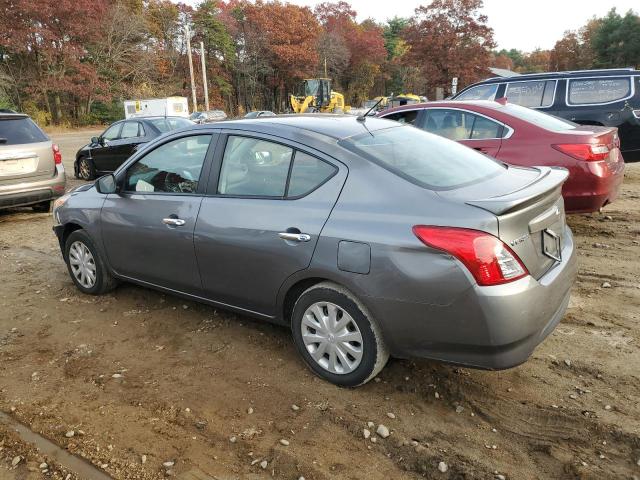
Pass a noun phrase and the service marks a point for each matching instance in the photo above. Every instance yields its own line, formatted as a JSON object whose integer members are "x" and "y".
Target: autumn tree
{"x": 44, "y": 52}
{"x": 450, "y": 38}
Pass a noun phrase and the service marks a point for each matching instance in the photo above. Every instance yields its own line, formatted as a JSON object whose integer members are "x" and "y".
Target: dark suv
{"x": 589, "y": 97}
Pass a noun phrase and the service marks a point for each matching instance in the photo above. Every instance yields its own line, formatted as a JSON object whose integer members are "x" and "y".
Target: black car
{"x": 108, "y": 151}
{"x": 609, "y": 98}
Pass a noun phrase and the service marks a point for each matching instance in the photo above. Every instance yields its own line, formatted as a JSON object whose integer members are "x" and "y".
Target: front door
{"x": 261, "y": 219}
{"x": 105, "y": 149}
{"x": 148, "y": 227}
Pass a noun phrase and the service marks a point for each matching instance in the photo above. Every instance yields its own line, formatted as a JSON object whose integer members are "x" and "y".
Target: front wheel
{"x": 86, "y": 268}
{"x": 336, "y": 336}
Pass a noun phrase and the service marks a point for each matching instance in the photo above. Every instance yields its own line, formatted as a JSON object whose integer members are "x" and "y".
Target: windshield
{"x": 166, "y": 124}
{"x": 541, "y": 119}
{"x": 423, "y": 158}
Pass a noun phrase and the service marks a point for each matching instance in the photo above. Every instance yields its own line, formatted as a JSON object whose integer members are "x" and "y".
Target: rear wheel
{"x": 42, "y": 207}
{"x": 336, "y": 336}
{"x": 86, "y": 170}
{"x": 86, "y": 268}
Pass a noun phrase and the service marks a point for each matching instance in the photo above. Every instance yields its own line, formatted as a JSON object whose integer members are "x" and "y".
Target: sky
{"x": 520, "y": 24}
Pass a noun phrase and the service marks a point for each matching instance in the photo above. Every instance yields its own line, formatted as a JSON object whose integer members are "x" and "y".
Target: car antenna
{"x": 362, "y": 118}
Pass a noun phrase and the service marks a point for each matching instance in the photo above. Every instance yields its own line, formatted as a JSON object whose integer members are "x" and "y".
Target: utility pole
{"x": 193, "y": 83}
{"x": 204, "y": 78}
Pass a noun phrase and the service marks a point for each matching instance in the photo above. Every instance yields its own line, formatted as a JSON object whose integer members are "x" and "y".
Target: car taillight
{"x": 584, "y": 151}
{"x": 57, "y": 156}
{"x": 489, "y": 260}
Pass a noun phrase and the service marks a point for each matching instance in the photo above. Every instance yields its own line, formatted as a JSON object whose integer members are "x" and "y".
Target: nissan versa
{"x": 367, "y": 237}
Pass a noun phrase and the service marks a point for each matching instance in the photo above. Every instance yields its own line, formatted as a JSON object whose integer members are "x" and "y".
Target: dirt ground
{"x": 143, "y": 378}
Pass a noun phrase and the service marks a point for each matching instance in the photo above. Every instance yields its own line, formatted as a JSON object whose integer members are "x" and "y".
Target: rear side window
{"x": 538, "y": 93}
{"x": 598, "y": 90}
{"x": 307, "y": 174}
{"x": 480, "y": 92}
{"x": 461, "y": 125}
{"x": 254, "y": 167}
{"x": 168, "y": 124}
{"x": 451, "y": 124}
{"x": 424, "y": 159}
{"x": 18, "y": 131}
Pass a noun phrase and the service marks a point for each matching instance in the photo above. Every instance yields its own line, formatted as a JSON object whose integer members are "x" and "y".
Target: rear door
{"x": 25, "y": 151}
{"x": 266, "y": 205}
{"x": 148, "y": 227}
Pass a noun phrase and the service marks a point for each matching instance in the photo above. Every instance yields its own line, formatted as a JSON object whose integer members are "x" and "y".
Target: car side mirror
{"x": 95, "y": 140}
{"x": 107, "y": 184}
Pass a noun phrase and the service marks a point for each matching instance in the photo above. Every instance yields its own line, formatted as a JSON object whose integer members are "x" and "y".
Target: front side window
{"x": 598, "y": 90}
{"x": 112, "y": 132}
{"x": 537, "y": 93}
{"x": 307, "y": 174}
{"x": 173, "y": 167}
{"x": 129, "y": 130}
{"x": 480, "y": 92}
{"x": 407, "y": 116}
{"x": 426, "y": 160}
{"x": 254, "y": 167}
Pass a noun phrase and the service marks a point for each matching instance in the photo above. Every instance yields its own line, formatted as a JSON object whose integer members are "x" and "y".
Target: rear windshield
{"x": 423, "y": 158}
{"x": 17, "y": 131}
{"x": 167, "y": 124}
{"x": 541, "y": 119}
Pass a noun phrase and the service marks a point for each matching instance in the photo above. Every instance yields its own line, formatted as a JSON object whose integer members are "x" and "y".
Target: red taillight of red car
{"x": 489, "y": 260}
{"x": 590, "y": 152}
{"x": 57, "y": 156}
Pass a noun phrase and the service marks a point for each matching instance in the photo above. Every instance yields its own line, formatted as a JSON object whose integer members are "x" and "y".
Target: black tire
{"x": 86, "y": 169}
{"x": 104, "y": 281}
{"x": 42, "y": 207}
{"x": 374, "y": 350}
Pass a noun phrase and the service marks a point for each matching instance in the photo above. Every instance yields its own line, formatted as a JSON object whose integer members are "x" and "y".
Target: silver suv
{"x": 31, "y": 171}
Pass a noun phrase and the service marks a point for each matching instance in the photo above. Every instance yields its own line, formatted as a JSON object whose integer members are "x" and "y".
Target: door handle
{"x": 174, "y": 222}
{"x": 295, "y": 237}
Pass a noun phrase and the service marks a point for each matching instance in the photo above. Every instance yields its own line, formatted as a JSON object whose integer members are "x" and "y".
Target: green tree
{"x": 616, "y": 41}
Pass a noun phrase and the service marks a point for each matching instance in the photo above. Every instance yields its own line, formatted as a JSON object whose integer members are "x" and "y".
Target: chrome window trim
{"x": 555, "y": 88}
{"x": 631, "y": 90}
{"x": 510, "y": 130}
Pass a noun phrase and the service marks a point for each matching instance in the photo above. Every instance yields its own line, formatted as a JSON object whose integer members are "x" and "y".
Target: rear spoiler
{"x": 549, "y": 180}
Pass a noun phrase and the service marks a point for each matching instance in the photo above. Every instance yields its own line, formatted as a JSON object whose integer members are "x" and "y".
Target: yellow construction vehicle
{"x": 317, "y": 96}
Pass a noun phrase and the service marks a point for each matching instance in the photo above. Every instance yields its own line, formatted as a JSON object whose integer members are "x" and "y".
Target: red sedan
{"x": 527, "y": 137}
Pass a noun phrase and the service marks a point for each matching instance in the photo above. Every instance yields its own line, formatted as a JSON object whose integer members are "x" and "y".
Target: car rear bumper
{"x": 593, "y": 188}
{"x": 32, "y": 192}
{"x": 493, "y": 327}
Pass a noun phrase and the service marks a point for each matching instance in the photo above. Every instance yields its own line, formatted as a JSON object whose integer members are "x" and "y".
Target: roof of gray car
{"x": 335, "y": 126}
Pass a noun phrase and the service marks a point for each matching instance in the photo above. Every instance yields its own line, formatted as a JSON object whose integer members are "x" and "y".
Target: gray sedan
{"x": 367, "y": 238}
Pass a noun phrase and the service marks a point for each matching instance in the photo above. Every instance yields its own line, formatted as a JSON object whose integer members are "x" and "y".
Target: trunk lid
{"x": 21, "y": 162}
{"x": 528, "y": 205}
